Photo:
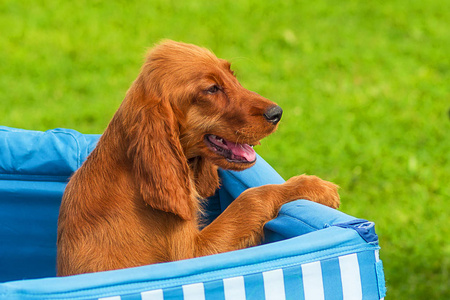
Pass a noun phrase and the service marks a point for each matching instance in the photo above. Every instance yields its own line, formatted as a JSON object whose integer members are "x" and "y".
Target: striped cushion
{"x": 334, "y": 278}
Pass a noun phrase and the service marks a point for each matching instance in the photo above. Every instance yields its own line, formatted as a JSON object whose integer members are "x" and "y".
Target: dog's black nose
{"x": 273, "y": 114}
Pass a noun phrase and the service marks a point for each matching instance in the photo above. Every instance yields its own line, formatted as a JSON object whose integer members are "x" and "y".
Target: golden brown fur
{"x": 135, "y": 201}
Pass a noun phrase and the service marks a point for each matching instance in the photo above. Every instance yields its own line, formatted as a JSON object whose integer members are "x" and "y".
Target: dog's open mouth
{"x": 233, "y": 152}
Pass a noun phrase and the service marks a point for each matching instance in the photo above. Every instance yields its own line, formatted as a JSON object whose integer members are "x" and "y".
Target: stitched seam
{"x": 299, "y": 220}
{"x": 32, "y": 177}
{"x": 76, "y": 142}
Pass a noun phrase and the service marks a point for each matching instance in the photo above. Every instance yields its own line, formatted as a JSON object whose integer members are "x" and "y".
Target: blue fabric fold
{"x": 364, "y": 228}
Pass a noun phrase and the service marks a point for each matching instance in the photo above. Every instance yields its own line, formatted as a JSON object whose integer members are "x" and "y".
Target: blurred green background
{"x": 364, "y": 86}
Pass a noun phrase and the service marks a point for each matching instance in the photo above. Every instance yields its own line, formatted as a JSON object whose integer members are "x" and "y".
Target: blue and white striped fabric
{"x": 310, "y": 251}
{"x": 336, "y": 278}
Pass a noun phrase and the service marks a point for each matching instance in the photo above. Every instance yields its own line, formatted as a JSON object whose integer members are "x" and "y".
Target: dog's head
{"x": 219, "y": 119}
{"x": 187, "y": 106}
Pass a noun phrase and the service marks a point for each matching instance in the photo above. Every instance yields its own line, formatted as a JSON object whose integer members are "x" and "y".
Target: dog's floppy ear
{"x": 158, "y": 163}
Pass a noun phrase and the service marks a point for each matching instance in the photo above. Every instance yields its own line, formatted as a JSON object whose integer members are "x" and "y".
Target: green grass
{"x": 364, "y": 86}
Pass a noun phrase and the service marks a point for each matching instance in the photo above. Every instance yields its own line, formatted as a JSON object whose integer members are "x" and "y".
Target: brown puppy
{"x": 135, "y": 201}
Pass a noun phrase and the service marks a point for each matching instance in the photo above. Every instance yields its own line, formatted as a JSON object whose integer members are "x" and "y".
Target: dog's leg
{"x": 241, "y": 224}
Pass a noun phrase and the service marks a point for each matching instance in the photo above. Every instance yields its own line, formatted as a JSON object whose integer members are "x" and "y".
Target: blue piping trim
{"x": 364, "y": 228}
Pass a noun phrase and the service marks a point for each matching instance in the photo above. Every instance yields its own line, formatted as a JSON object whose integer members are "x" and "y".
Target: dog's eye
{"x": 213, "y": 89}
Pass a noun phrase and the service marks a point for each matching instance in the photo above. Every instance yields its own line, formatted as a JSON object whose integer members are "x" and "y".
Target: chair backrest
{"x": 34, "y": 169}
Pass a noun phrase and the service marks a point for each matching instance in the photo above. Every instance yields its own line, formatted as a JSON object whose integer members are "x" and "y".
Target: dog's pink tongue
{"x": 242, "y": 150}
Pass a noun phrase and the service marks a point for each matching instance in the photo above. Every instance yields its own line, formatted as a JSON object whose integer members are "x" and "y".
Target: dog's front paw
{"x": 315, "y": 189}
